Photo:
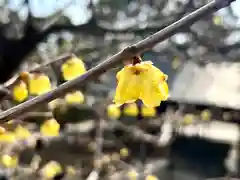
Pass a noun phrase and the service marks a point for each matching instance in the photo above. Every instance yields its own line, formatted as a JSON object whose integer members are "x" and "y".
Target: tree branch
{"x": 127, "y": 53}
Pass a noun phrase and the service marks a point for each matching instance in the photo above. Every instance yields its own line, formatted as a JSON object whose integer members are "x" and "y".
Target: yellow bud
{"x": 39, "y": 84}
{"x": 113, "y": 111}
{"x": 75, "y": 97}
{"x": 50, "y": 128}
{"x": 20, "y": 92}
{"x": 188, "y": 119}
{"x": 151, "y": 177}
{"x": 124, "y": 152}
{"x": 176, "y": 63}
{"x": 131, "y": 109}
{"x": 148, "y": 111}
{"x": 22, "y": 133}
{"x": 7, "y": 137}
{"x": 132, "y": 175}
{"x": 2, "y": 130}
{"x": 9, "y": 161}
{"x": 206, "y": 115}
{"x": 51, "y": 169}
{"x": 71, "y": 170}
{"x": 72, "y": 68}
{"x": 217, "y": 20}
{"x": 106, "y": 159}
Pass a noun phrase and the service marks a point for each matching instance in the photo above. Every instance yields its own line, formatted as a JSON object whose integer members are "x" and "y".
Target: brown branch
{"x": 127, "y": 53}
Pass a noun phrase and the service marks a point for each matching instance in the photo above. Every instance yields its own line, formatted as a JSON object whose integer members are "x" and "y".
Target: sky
{"x": 41, "y": 8}
{"x": 77, "y": 11}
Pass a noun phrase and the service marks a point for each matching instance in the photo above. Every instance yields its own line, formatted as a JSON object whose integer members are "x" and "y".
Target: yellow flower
{"x": 7, "y": 137}
{"x": 74, "y": 97}
{"x": 113, "y": 111}
{"x": 39, "y": 84}
{"x": 131, "y": 109}
{"x": 176, "y": 63}
{"x": 151, "y": 177}
{"x": 9, "y": 161}
{"x": 21, "y": 132}
{"x": 51, "y": 169}
{"x": 2, "y": 130}
{"x": 217, "y": 20}
{"x": 141, "y": 81}
{"x": 71, "y": 170}
{"x": 124, "y": 152}
{"x": 132, "y": 175}
{"x": 148, "y": 111}
{"x": 206, "y": 115}
{"x": 50, "y": 128}
{"x": 20, "y": 92}
{"x": 72, "y": 68}
{"x": 188, "y": 119}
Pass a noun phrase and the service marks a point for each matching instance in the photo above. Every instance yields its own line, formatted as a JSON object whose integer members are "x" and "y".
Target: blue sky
{"x": 77, "y": 11}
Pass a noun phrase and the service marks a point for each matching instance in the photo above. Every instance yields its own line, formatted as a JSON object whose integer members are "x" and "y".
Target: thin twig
{"x": 127, "y": 53}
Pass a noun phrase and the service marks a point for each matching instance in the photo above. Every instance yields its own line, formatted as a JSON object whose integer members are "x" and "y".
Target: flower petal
{"x": 154, "y": 87}
{"x": 128, "y": 88}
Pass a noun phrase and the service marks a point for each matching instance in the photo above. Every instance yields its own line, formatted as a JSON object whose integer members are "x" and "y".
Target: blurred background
{"x": 193, "y": 136}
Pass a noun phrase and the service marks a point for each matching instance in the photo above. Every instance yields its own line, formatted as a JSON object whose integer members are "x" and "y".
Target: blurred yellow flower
{"x": 176, "y": 62}
{"x": 7, "y": 137}
{"x": 39, "y": 84}
{"x": 131, "y": 109}
{"x": 188, "y": 119}
{"x": 113, "y": 111}
{"x": 151, "y": 177}
{"x": 141, "y": 81}
{"x": 9, "y": 161}
{"x": 132, "y": 175}
{"x": 206, "y": 115}
{"x": 217, "y": 20}
{"x": 124, "y": 152}
{"x": 22, "y": 133}
{"x": 74, "y": 97}
{"x": 148, "y": 111}
{"x": 51, "y": 169}
{"x": 72, "y": 68}
{"x": 20, "y": 92}
{"x": 50, "y": 128}
{"x": 71, "y": 170}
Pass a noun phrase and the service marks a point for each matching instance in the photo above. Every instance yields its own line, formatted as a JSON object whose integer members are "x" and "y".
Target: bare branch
{"x": 127, "y": 53}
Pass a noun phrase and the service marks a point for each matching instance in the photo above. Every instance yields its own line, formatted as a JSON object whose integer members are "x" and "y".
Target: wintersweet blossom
{"x": 131, "y": 109}
{"x": 141, "y": 81}
{"x": 9, "y": 161}
{"x": 39, "y": 84}
{"x": 148, "y": 111}
{"x": 76, "y": 97}
{"x": 72, "y": 68}
{"x": 20, "y": 91}
{"x": 50, "y": 128}
{"x": 51, "y": 169}
{"x": 113, "y": 111}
